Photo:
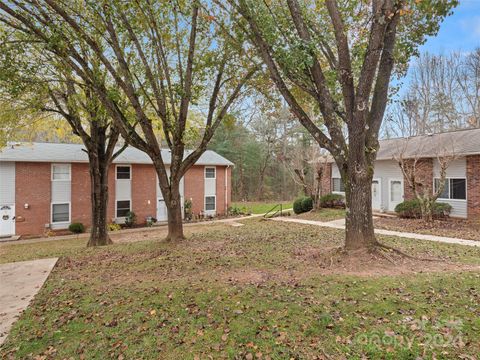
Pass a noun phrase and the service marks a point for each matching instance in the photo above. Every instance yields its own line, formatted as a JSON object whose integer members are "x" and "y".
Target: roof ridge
{"x": 432, "y": 134}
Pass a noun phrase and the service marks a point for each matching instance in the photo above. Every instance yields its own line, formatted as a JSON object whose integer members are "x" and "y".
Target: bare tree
{"x": 443, "y": 95}
{"x": 413, "y": 165}
{"x": 163, "y": 58}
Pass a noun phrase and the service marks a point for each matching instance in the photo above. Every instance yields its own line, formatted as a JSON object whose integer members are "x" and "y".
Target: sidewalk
{"x": 20, "y": 283}
{"x": 154, "y": 228}
{"x": 340, "y": 224}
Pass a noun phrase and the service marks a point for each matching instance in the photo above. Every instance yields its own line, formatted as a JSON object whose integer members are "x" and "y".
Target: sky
{"x": 458, "y": 32}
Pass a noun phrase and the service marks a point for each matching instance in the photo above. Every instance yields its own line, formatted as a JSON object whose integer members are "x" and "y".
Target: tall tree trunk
{"x": 359, "y": 223}
{"x": 174, "y": 209}
{"x": 99, "y": 201}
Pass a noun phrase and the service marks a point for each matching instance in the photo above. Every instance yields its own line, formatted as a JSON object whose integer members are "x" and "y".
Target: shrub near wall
{"x": 332, "y": 201}
{"x": 302, "y": 205}
{"x": 410, "y": 209}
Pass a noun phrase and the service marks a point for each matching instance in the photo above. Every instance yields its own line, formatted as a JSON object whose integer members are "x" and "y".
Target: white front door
{"x": 7, "y": 220}
{"x": 162, "y": 214}
{"x": 395, "y": 193}
{"x": 376, "y": 194}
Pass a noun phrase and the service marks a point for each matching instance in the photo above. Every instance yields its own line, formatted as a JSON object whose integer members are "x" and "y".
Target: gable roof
{"x": 459, "y": 143}
{"x": 55, "y": 152}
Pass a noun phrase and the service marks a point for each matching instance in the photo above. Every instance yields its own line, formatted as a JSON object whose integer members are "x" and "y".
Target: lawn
{"x": 323, "y": 215}
{"x": 258, "y": 291}
{"x": 254, "y": 207}
{"x": 457, "y": 228}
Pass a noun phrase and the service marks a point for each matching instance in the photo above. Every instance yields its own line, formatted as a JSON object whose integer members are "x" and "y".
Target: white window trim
{"x": 116, "y": 208}
{"x": 448, "y": 179}
{"x": 337, "y": 192}
{"x": 69, "y": 212}
{"x": 116, "y": 169}
{"x": 205, "y": 203}
{"x": 214, "y": 169}
{"x": 69, "y": 172}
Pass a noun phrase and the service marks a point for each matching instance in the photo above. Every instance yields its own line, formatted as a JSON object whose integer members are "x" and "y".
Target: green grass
{"x": 323, "y": 215}
{"x": 261, "y": 207}
{"x": 10, "y": 252}
{"x": 230, "y": 292}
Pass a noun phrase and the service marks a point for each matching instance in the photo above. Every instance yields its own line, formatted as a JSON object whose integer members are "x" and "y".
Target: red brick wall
{"x": 81, "y": 204}
{"x": 32, "y": 187}
{"x": 194, "y": 187}
{"x": 424, "y": 178}
{"x": 144, "y": 192}
{"x": 326, "y": 184}
{"x": 473, "y": 187}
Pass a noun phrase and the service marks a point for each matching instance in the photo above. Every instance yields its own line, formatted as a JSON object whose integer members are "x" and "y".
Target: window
{"x": 209, "y": 203}
{"x": 123, "y": 172}
{"x": 455, "y": 189}
{"x": 60, "y": 213}
{"x": 123, "y": 207}
{"x": 337, "y": 185}
{"x": 60, "y": 172}
{"x": 210, "y": 173}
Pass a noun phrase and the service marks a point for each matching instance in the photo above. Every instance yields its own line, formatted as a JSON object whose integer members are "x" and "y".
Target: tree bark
{"x": 174, "y": 209}
{"x": 99, "y": 201}
{"x": 359, "y": 223}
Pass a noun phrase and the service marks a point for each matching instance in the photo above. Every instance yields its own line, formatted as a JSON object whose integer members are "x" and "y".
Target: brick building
{"x": 389, "y": 188}
{"x": 47, "y": 186}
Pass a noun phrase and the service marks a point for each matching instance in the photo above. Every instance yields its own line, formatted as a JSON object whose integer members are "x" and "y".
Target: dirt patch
{"x": 382, "y": 262}
{"x": 457, "y": 228}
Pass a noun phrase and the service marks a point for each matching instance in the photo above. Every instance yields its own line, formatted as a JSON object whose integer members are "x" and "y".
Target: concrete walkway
{"x": 19, "y": 283}
{"x": 340, "y": 224}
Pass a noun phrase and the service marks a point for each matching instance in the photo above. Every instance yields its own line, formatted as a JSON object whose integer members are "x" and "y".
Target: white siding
{"x": 61, "y": 191}
{"x": 210, "y": 187}
{"x": 389, "y": 169}
{"x": 7, "y": 183}
{"x": 456, "y": 169}
{"x": 61, "y": 194}
{"x": 160, "y": 196}
{"x": 335, "y": 171}
{"x": 123, "y": 189}
{"x": 384, "y": 170}
{"x": 182, "y": 186}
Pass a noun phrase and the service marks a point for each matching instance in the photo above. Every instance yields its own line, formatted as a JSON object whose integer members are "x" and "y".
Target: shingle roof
{"x": 460, "y": 143}
{"x": 54, "y": 152}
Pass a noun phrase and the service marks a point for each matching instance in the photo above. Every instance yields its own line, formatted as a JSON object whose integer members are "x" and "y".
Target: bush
{"x": 113, "y": 227}
{"x": 237, "y": 210}
{"x": 130, "y": 219}
{"x": 150, "y": 220}
{"x": 76, "y": 228}
{"x": 187, "y": 209}
{"x": 332, "y": 201}
{"x": 307, "y": 204}
{"x": 411, "y": 209}
{"x": 302, "y": 204}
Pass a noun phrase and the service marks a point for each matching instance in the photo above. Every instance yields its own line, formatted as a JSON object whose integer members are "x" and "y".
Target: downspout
{"x": 226, "y": 189}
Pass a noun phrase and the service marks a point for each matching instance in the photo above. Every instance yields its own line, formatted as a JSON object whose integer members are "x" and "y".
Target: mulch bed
{"x": 458, "y": 228}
